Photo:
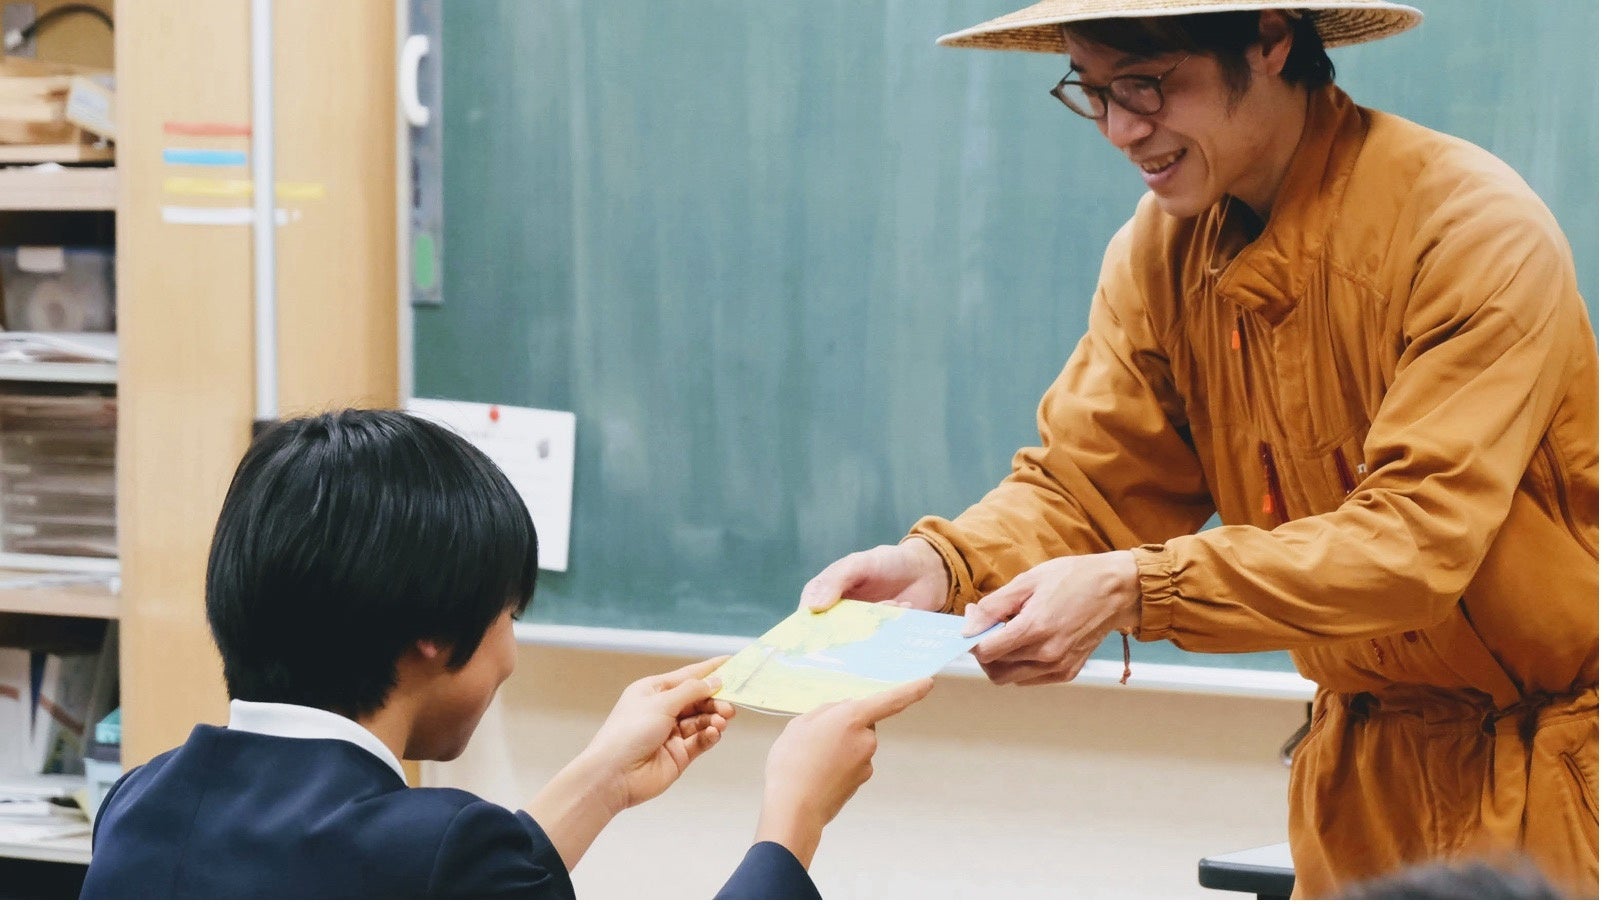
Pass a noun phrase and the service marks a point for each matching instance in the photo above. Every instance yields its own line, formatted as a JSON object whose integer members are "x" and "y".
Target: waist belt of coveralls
{"x": 1511, "y": 727}
{"x": 1433, "y": 706}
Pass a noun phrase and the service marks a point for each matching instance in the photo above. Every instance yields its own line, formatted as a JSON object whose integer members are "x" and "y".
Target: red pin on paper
{"x": 495, "y": 414}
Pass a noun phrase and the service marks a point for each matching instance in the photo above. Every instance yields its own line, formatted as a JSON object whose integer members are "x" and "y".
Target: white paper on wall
{"x": 534, "y": 447}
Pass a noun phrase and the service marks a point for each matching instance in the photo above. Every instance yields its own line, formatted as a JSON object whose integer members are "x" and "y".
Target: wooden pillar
{"x": 185, "y": 299}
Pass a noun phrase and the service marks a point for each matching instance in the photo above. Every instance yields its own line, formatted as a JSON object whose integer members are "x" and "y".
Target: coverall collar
{"x": 1270, "y": 273}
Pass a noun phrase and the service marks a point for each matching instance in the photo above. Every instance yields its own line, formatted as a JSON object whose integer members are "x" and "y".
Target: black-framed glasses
{"x": 1140, "y": 94}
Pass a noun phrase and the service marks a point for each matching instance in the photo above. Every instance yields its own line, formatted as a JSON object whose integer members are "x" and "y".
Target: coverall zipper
{"x": 1273, "y": 503}
{"x": 1344, "y": 476}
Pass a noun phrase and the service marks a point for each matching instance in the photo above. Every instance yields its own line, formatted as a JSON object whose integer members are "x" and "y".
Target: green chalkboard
{"x": 803, "y": 275}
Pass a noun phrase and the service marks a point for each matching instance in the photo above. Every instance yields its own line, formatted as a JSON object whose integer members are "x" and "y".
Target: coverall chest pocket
{"x": 1312, "y": 372}
{"x": 1300, "y": 482}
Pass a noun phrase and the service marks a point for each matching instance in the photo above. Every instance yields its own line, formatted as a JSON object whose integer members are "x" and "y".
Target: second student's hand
{"x": 821, "y": 759}
{"x": 659, "y": 725}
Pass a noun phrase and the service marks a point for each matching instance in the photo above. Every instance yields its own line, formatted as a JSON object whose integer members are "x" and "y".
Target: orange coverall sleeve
{"x": 1115, "y": 469}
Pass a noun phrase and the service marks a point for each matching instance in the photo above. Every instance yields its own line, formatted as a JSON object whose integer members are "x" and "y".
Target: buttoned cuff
{"x": 1155, "y": 580}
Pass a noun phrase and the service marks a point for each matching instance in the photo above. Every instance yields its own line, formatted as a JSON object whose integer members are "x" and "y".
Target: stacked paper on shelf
{"x": 41, "y": 808}
{"x": 57, "y": 473}
{"x": 82, "y": 348}
{"x": 41, "y": 120}
{"x": 39, "y": 580}
{"x": 28, "y": 808}
{"x": 36, "y": 830}
{"x": 40, "y": 787}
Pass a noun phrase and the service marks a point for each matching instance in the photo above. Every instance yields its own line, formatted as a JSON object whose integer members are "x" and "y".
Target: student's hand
{"x": 911, "y": 574}
{"x": 659, "y": 725}
{"x": 820, "y": 761}
{"x": 1057, "y": 614}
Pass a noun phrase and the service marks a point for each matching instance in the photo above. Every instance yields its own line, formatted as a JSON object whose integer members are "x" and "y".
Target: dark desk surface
{"x": 1262, "y": 871}
{"x": 40, "y": 879}
{"x": 44, "y": 869}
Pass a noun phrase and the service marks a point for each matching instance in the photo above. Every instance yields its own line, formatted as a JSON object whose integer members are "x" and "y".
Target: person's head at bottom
{"x": 1506, "y": 877}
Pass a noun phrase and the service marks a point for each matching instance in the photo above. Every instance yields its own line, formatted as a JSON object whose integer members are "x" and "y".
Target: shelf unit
{"x": 52, "y": 204}
{"x": 59, "y": 372}
{"x": 93, "y": 597}
{"x": 50, "y": 597}
{"x": 77, "y": 188}
{"x": 66, "y": 188}
{"x": 72, "y": 849}
{"x": 67, "y": 843}
{"x": 23, "y": 590}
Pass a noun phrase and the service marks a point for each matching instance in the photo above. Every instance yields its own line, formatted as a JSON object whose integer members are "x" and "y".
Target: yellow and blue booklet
{"x": 852, "y": 650}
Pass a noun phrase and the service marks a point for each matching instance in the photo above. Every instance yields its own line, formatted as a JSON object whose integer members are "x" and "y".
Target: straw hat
{"x": 1036, "y": 27}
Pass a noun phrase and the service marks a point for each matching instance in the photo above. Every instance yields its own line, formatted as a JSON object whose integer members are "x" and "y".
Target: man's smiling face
{"x": 1206, "y": 141}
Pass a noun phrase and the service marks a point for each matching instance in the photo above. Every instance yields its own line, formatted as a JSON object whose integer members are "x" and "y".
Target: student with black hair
{"x": 1507, "y": 877}
{"x": 363, "y": 580}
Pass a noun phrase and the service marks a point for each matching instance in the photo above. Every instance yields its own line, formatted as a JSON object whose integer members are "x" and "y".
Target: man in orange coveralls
{"x": 1361, "y": 343}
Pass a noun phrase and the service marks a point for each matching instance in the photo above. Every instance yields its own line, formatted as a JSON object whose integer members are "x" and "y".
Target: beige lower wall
{"x": 979, "y": 791}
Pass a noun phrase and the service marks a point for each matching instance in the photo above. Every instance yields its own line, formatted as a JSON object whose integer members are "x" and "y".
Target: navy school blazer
{"x": 234, "y": 814}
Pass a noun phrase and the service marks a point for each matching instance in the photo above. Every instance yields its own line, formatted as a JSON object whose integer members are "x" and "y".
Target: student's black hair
{"x": 1224, "y": 36}
{"x": 1509, "y": 878}
{"x": 345, "y": 538}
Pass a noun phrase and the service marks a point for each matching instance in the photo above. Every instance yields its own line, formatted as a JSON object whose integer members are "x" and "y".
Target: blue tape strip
{"x": 203, "y": 157}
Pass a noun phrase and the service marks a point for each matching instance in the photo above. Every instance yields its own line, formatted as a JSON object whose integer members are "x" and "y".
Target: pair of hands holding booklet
{"x": 839, "y": 671}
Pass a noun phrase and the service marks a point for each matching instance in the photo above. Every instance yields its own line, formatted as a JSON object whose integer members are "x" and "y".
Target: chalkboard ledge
{"x": 1228, "y": 682}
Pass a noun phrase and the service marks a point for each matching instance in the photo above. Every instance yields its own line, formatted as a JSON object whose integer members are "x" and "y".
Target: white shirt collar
{"x": 286, "y": 720}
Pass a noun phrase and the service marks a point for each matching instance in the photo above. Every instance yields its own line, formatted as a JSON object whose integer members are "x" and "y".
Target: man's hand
{"x": 659, "y": 725}
{"x": 820, "y": 761}
{"x": 911, "y": 574}
{"x": 1056, "y": 613}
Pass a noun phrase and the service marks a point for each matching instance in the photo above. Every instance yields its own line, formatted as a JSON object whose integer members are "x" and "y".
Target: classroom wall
{"x": 979, "y": 791}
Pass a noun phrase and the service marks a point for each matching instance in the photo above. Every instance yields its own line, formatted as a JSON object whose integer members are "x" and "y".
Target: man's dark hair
{"x": 1507, "y": 879}
{"x": 1224, "y": 36}
{"x": 347, "y": 537}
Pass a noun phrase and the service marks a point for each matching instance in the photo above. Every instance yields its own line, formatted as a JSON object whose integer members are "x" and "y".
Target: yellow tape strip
{"x": 239, "y": 188}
